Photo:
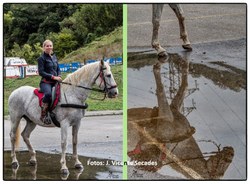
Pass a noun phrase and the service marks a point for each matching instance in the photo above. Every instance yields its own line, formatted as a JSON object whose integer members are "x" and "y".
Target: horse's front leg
{"x": 64, "y": 135}
{"x": 156, "y": 18}
{"x": 30, "y": 126}
{"x": 75, "y": 129}
{"x": 183, "y": 33}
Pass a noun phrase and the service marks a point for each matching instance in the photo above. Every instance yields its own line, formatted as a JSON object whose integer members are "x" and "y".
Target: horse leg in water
{"x": 75, "y": 128}
{"x": 64, "y": 135}
{"x": 30, "y": 126}
{"x": 15, "y": 120}
{"x": 183, "y": 33}
{"x": 156, "y": 18}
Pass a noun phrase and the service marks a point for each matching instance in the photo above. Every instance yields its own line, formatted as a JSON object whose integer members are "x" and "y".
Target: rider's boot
{"x": 45, "y": 107}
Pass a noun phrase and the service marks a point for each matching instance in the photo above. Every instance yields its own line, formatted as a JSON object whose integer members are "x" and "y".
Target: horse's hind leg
{"x": 30, "y": 126}
{"x": 14, "y": 139}
{"x": 183, "y": 33}
{"x": 156, "y": 18}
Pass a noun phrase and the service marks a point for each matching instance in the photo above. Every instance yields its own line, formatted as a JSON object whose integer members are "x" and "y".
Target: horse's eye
{"x": 108, "y": 75}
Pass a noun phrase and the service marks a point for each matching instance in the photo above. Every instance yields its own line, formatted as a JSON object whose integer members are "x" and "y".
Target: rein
{"x": 87, "y": 88}
{"x": 93, "y": 89}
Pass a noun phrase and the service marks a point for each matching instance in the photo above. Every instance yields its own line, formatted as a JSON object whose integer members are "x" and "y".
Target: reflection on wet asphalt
{"x": 166, "y": 99}
{"x": 48, "y": 168}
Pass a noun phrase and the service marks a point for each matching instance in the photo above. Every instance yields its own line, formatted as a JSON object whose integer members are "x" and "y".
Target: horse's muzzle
{"x": 113, "y": 93}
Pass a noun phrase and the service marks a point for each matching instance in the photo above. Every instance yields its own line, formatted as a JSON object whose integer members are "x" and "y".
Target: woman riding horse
{"x": 48, "y": 68}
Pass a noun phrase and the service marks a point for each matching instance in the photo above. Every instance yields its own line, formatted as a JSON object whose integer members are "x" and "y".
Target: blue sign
{"x": 69, "y": 67}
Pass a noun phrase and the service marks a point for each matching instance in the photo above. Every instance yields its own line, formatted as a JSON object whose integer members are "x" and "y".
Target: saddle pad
{"x": 39, "y": 95}
{"x": 56, "y": 94}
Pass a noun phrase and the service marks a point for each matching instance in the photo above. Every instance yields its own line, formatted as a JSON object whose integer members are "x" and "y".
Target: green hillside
{"x": 106, "y": 46}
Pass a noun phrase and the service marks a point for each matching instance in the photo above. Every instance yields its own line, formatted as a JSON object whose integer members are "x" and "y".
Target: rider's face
{"x": 48, "y": 48}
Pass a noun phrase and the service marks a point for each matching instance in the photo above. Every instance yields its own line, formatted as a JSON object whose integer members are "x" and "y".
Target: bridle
{"x": 103, "y": 80}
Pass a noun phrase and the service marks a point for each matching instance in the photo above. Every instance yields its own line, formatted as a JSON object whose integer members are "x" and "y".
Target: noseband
{"x": 103, "y": 80}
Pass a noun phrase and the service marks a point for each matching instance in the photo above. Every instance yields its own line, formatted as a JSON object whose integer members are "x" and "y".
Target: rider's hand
{"x": 57, "y": 78}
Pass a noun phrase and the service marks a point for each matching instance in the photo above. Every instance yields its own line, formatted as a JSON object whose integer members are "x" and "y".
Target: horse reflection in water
{"x": 33, "y": 174}
{"x": 33, "y": 171}
{"x": 163, "y": 134}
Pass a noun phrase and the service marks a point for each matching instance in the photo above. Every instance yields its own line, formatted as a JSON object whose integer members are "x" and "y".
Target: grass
{"x": 94, "y": 105}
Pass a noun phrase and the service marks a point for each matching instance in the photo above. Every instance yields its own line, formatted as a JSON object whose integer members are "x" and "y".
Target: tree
{"x": 63, "y": 43}
{"x": 16, "y": 51}
{"x": 97, "y": 20}
{"x": 29, "y": 53}
{"x": 36, "y": 38}
{"x": 69, "y": 26}
{"x": 28, "y": 19}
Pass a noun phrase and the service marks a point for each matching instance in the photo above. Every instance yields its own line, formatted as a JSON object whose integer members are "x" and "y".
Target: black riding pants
{"x": 46, "y": 88}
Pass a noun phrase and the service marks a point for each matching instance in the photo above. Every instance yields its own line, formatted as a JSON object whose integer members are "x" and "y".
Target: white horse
{"x": 24, "y": 103}
{"x": 156, "y": 18}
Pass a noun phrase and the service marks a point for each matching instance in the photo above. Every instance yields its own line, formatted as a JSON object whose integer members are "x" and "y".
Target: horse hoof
{"x": 32, "y": 162}
{"x": 64, "y": 171}
{"x": 64, "y": 174}
{"x": 79, "y": 166}
{"x": 14, "y": 165}
{"x": 162, "y": 54}
{"x": 187, "y": 47}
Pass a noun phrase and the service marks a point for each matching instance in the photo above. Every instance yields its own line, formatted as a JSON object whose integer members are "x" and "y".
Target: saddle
{"x": 55, "y": 96}
{"x": 55, "y": 99}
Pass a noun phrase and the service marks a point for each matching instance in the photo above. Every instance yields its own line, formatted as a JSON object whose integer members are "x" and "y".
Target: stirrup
{"x": 47, "y": 119}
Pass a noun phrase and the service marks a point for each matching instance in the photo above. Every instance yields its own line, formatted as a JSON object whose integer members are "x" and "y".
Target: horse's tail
{"x": 16, "y": 114}
{"x": 18, "y": 136}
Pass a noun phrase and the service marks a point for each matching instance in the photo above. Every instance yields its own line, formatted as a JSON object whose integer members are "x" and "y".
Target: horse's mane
{"x": 84, "y": 72}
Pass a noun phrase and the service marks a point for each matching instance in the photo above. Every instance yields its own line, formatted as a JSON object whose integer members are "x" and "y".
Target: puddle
{"x": 189, "y": 120}
{"x": 48, "y": 168}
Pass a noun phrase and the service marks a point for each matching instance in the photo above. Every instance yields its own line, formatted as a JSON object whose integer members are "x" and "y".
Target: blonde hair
{"x": 47, "y": 41}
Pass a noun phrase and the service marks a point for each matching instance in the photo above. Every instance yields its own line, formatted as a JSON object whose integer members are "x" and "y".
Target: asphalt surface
{"x": 218, "y": 34}
{"x": 204, "y": 23}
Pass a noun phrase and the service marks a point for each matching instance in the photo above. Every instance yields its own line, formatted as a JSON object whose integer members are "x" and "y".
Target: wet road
{"x": 204, "y": 22}
{"x": 215, "y": 103}
{"x": 48, "y": 167}
{"x": 100, "y": 138}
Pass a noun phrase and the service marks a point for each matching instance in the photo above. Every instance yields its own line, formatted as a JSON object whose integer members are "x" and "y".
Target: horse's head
{"x": 106, "y": 81}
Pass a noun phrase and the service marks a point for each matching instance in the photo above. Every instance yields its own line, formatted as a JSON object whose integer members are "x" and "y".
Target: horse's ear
{"x": 102, "y": 62}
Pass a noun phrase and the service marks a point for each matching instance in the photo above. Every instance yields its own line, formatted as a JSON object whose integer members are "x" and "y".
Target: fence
{"x": 114, "y": 61}
{"x": 28, "y": 70}
{"x": 20, "y": 71}
{"x": 71, "y": 67}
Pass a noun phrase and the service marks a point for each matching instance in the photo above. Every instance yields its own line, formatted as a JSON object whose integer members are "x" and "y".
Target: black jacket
{"x": 48, "y": 67}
